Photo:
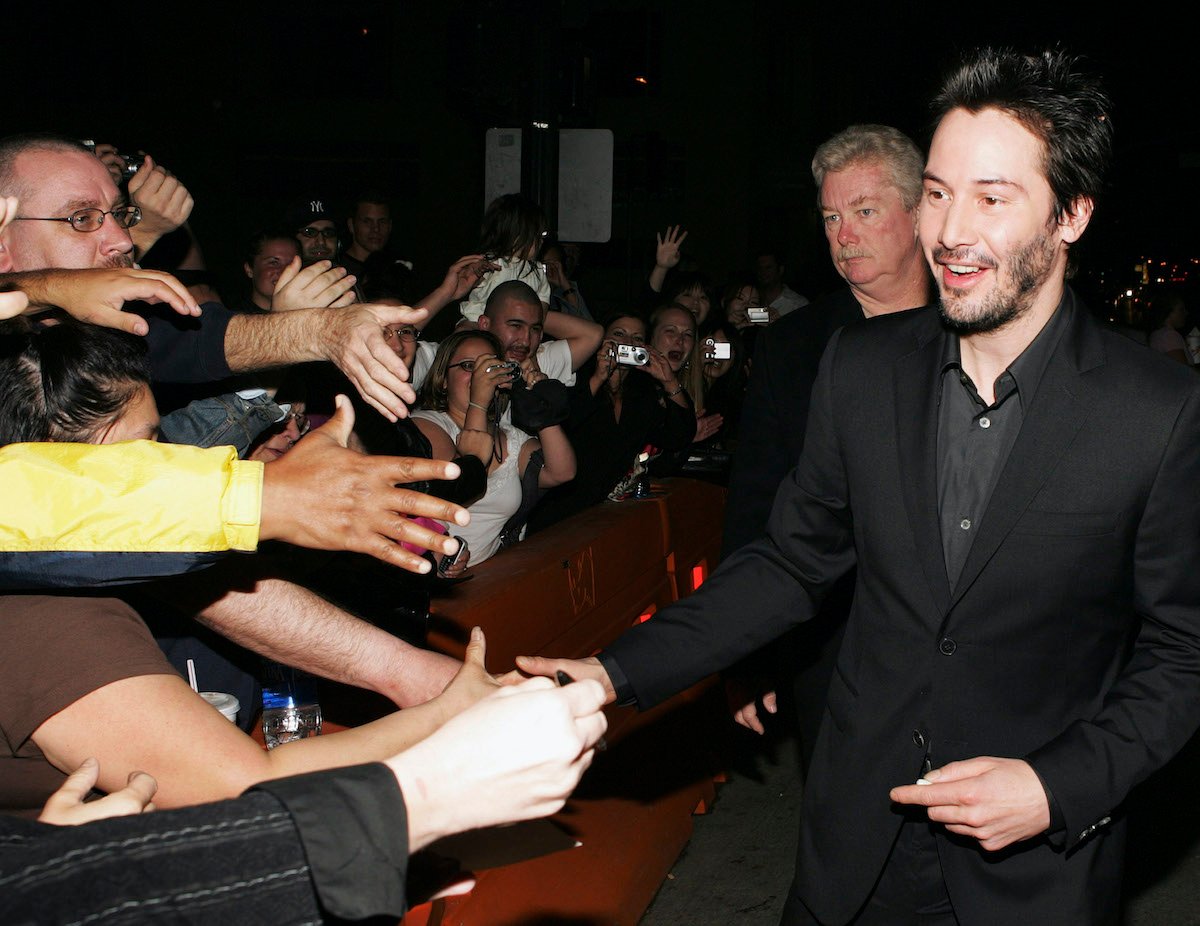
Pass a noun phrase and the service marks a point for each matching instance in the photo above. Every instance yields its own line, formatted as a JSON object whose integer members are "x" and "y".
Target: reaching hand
{"x": 164, "y": 201}
{"x": 320, "y": 285}
{"x": 66, "y": 807}
{"x": 995, "y": 801}
{"x": 98, "y": 296}
{"x": 11, "y": 304}
{"x": 323, "y": 496}
{"x": 472, "y": 683}
{"x": 354, "y": 338}
{"x": 666, "y": 255}
{"x": 578, "y": 669}
{"x": 516, "y": 755}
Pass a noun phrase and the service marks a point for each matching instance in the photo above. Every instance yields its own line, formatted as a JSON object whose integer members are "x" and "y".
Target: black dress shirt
{"x": 974, "y": 438}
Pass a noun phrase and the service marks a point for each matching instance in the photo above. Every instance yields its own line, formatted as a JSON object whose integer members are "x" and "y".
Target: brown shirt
{"x": 53, "y": 651}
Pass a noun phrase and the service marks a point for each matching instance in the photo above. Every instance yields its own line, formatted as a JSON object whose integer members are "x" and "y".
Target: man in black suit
{"x": 1017, "y": 489}
{"x": 868, "y": 181}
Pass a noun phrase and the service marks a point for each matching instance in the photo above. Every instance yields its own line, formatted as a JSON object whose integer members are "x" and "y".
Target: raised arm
{"x": 461, "y": 278}
{"x": 582, "y": 335}
{"x": 666, "y": 255}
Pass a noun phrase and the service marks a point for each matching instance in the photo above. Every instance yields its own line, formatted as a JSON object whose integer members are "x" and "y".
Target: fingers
{"x": 540, "y": 665}
{"x": 407, "y": 502}
{"x": 771, "y": 702}
{"x": 381, "y": 379}
{"x": 476, "y": 649}
{"x": 158, "y": 287}
{"x": 287, "y": 274}
{"x": 341, "y": 422}
{"x": 8, "y": 210}
{"x": 141, "y": 789}
{"x": 79, "y": 783}
{"x": 747, "y": 716}
{"x": 13, "y": 304}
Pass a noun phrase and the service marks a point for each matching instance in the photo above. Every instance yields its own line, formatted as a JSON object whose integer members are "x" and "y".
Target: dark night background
{"x": 264, "y": 104}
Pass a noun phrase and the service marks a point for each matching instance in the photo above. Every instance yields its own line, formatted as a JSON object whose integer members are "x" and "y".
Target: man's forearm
{"x": 582, "y": 335}
{"x": 255, "y": 342}
{"x": 290, "y": 624}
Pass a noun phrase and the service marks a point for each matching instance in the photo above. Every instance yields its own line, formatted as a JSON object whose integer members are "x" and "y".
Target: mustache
{"x": 963, "y": 256}
{"x": 118, "y": 260}
{"x": 848, "y": 253}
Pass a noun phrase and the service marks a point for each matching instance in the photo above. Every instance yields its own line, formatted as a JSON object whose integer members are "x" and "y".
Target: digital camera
{"x": 633, "y": 355}
{"x": 758, "y": 315}
{"x": 717, "y": 351}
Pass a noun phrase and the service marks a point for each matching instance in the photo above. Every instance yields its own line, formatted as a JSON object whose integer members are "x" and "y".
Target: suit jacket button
{"x": 918, "y": 739}
{"x": 947, "y": 647}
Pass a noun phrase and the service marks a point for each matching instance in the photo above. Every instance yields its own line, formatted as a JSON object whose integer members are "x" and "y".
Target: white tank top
{"x": 503, "y": 496}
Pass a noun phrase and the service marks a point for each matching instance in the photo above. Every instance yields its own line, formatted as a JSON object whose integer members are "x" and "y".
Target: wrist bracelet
{"x": 478, "y": 406}
{"x": 678, "y": 389}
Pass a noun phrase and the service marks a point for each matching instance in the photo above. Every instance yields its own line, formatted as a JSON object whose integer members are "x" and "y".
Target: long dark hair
{"x": 67, "y": 381}
{"x": 512, "y": 227}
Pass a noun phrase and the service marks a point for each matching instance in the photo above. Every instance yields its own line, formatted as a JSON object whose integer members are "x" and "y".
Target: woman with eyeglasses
{"x": 461, "y": 411}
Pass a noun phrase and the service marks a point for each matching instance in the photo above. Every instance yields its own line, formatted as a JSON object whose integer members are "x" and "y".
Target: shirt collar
{"x": 1029, "y": 366}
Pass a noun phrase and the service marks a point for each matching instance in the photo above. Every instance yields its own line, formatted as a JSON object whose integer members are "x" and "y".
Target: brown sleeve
{"x": 54, "y": 650}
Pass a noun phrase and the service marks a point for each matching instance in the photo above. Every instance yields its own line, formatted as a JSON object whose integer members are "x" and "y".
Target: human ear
{"x": 1074, "y": 221}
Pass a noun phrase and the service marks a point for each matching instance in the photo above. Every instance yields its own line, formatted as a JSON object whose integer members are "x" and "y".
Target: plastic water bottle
{"x": 290, "y": 708}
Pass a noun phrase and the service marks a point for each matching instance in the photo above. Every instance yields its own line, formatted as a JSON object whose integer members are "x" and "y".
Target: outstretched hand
{"x": 578, "y": 669}
{"x": 516, "y": 755}
{"x": 354, "y": 338}
{"x": 324, "y": 496}
{"x": 320, "y": 285}
{"x": 98, "y": 297}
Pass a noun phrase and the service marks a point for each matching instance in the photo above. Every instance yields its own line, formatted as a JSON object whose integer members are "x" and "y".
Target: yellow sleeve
{"x": 135, "y": 496}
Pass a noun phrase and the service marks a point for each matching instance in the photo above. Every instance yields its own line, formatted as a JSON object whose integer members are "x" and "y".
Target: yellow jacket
{"x": 85, "y": 514}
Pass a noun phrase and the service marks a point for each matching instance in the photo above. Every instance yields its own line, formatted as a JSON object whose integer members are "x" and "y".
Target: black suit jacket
{"x": 775, "y": 410}
{"x": 1072, "y": 638}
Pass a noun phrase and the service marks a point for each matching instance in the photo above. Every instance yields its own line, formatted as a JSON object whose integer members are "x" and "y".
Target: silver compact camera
{"x": 758, "y": 315}
{"x": 717, "y": 351}
{"x": 511, "y": 365}
{"x": 633, "y": 355}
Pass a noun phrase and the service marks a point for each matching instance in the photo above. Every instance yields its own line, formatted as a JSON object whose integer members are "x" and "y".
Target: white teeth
{"x": 958, "y": 268}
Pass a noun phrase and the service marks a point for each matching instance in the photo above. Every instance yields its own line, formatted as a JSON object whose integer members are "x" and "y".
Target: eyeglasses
{"x": 328, "y": 233}
{"x": 90, "y": 219}
{"x": 404, "y": 333}
{"x": 301, "y": 419}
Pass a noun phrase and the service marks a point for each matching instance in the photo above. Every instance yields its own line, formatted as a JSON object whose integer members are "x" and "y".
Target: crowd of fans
{"x": 116, "y": 332}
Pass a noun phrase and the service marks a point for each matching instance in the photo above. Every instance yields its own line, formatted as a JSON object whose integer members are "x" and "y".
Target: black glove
{"x": 545, "y": 404}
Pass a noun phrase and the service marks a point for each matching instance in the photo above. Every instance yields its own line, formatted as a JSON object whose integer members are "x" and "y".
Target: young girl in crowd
{"x": 511, "y": 237}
